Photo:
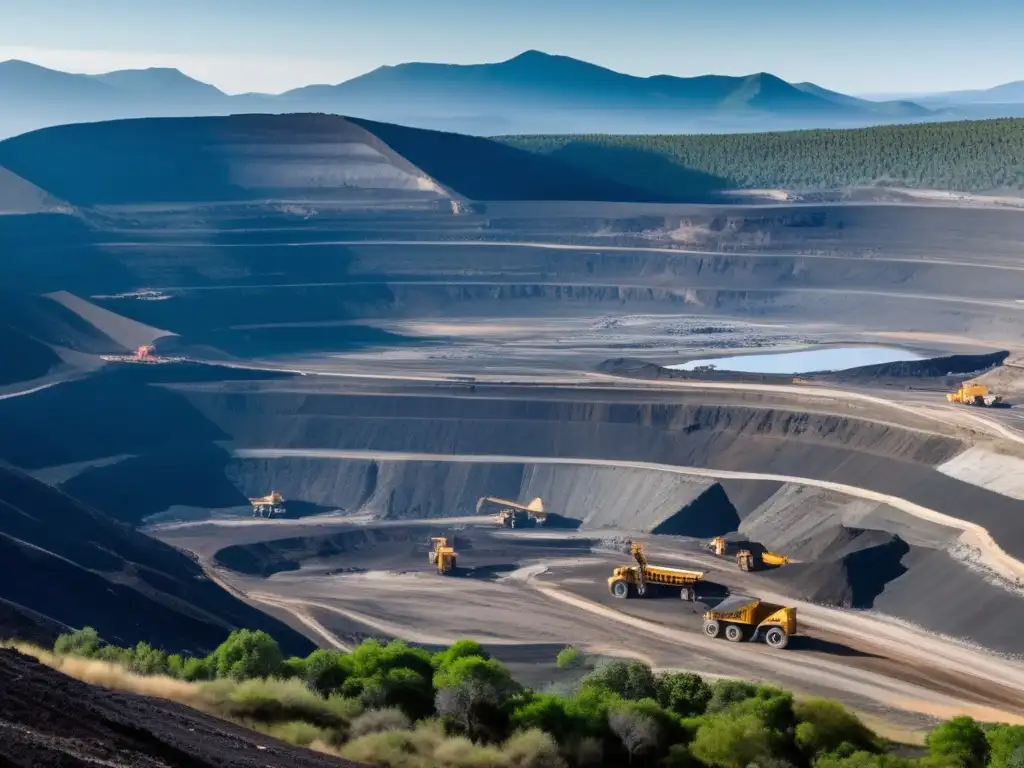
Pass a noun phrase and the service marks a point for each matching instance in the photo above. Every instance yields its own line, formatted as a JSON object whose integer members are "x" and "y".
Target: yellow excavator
{"x": 745, "y": 559}
{"x": 442, "y": 556}
{"x": 630, "y": 580}
{"x": 512, "y": 514}
{"x": 268, "y": 506}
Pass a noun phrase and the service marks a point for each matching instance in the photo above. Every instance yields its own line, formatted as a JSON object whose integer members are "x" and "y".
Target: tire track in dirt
{"x": 883, "y": 689}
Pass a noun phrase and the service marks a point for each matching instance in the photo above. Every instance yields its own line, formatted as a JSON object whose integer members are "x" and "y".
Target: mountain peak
{"x": 533, "y": 55}
{"x": 156, "y": 78}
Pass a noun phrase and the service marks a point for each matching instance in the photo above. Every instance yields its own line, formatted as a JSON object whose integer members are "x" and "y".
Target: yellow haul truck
{"x": 512, "y": 514}
{"x": 638, "y": 579}
{"x": 974, "y": 394}
{"x": 745, "y": 559}
{"x": 749, "y": 618}
{"x": 442, "y": 556}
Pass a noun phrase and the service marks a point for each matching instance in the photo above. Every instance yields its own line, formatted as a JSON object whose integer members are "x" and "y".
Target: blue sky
{"x": 862, "y": 46}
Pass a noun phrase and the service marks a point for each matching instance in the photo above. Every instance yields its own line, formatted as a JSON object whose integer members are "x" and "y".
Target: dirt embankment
{"x": 50, "y": 719}
{"x": 64, "y": 564}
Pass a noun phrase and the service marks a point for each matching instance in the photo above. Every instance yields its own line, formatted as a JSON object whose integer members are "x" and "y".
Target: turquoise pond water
{"x": 804, "y": 361}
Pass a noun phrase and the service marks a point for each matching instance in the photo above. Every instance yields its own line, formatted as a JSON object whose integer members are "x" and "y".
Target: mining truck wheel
{"x": 619, "y": 589}
{"x": 712, "y": 628}
{"x": 733, "y": 633}
{"x": 776, "y": 637}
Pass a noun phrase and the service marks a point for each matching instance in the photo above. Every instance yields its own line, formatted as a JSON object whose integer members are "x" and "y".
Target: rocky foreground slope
{"x": 50, "y": 719}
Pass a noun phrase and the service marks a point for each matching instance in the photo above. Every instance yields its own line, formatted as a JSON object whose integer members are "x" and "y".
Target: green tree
{"x": 246, "y": 655}
{"x": 726, "y": 692}
{"x": 552, "y": 714}
{"x": 147, "y": 660}
{"x": 294, "y": 667}
{"x": 195, "y": 669}
{"x": 638, "y": 732}
{"x": 628, "y": 679}
{"x": 726, "y": 741}
{"x": 823, "y": 726}
{"x": 459, "y": 650}
{"x": 961, "y": 740}
{"x": 82, "y": 642}
{"x": 475, "y": 694}
{"x": 176, "y": 665}
{"x": 324, "y": 671}
{"x": 1004, "y": 742}
{"x": 862, "y": 760}
{"x": 685, "y": 693}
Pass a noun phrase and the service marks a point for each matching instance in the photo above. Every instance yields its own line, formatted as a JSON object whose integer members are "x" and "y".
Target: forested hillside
{"x": 968, "y": 156}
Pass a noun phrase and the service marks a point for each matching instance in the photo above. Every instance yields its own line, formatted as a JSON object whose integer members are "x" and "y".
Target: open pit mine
{"x": 268, "y": 367}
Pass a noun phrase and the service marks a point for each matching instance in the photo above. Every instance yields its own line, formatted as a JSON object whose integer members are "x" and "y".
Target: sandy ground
{"x": 873, "y": 664}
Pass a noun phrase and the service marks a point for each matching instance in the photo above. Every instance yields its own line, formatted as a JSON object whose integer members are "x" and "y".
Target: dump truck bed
{"x": 661, "y": 575}
{"x": 753, "y": 612}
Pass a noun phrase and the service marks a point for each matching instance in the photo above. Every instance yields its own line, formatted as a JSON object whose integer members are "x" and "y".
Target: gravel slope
{"x": 50, "y": 719}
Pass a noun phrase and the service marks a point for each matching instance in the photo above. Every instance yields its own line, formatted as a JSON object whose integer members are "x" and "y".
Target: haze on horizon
{"x": 874, "y": 47}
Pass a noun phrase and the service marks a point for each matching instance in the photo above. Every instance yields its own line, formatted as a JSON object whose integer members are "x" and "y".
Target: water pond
{"x": 804, "y": 361}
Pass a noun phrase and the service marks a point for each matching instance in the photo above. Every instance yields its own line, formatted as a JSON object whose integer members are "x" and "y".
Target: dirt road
{"x": 991, "y": 555}
{"x": 566, "y": 602}
{"x": 552, "y": 247}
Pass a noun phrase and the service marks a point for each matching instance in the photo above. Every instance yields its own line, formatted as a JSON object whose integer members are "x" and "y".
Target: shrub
{"x": 279, "y": 701}
{"x": 459, "y": 650}
{"x": 424, "y": 747}
{"x": 725, "y": 693}
{"x": 323, "y": 670}
{"x": 732, "y": 742}
{"x": 84, "y": 642}
{"x": 379, "y": 721}
{"x": 570, "y": 658}
{"x": 1006, "y": 744}
{"x": 147, "y": 660}
{"x": 195, "y": 670}
{"x": 684, "y": 693}
{"x": 823, "y": 726}
{"x": 863, "y": 760}
{"x": 298, "y": 732}
{"x": 960, "y": 740}
{"x": 532, "y": 749}
{"x": 247, "y": 655}
{"x": 637, "y": 731}
{"x": 627, "y": 679}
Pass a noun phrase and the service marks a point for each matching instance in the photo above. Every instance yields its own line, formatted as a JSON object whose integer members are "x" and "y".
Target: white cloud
{"x": 230, "y": 73}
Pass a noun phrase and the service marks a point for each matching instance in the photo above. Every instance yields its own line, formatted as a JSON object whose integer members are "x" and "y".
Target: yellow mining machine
{"x": 630, "y": 580}
{"x": 442, "y": 556}
{"x": 974, "y": 394}
{"x": 745, "y": 559}
{"x": 268, "y": 506}
{"x": 749, "y": 618}
{"x": 512, "y": 514}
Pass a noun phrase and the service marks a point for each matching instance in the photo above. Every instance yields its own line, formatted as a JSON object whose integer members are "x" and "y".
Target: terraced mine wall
{"x": 178, "y": 446}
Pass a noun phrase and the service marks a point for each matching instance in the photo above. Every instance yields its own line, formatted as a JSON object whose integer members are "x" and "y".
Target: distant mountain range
{"x": 534, "y": 92}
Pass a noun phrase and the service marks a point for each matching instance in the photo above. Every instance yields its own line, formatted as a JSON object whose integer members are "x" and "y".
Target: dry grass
{"x": 287, "y": 710}
{"x": 116, "y": 677}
